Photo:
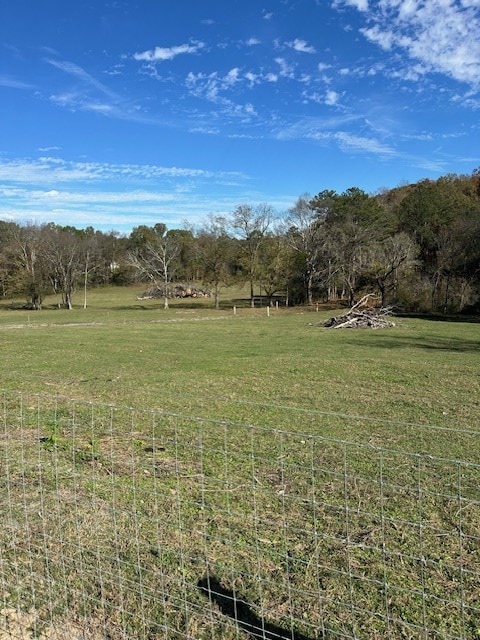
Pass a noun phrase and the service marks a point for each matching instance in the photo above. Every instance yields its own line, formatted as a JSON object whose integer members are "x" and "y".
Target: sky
{"x": 121, "y": 113}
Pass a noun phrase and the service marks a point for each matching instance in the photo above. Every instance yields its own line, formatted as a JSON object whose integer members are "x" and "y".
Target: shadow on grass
{"x": 437, "y": 317}
{"x": 458, "y": 345}
{"x": 239, "y": 611}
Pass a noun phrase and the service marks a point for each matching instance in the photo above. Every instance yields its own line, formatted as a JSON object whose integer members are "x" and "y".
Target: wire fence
{"x": 120, "y": 523}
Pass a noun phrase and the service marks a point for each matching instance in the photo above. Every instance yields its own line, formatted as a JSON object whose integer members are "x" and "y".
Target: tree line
{"x": 417, "y": 246}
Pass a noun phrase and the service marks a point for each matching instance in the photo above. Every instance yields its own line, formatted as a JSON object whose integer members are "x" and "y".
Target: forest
{"x": 416, "y": 246}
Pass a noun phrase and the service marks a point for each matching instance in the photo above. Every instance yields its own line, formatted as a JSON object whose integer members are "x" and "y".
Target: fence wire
{"x": 121, "y": 523}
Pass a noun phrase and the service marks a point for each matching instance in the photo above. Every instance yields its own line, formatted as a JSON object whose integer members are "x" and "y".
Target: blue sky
{"x": 118, "y": 113}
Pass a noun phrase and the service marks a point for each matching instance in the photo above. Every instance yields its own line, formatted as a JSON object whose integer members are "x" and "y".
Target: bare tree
{"x": 63, "y": 255}
{"x": 27, "y": 250}
{"x": 154, "y": 257}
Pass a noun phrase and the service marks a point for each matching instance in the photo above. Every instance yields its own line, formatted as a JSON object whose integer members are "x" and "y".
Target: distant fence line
{"x": 123, "y": 523}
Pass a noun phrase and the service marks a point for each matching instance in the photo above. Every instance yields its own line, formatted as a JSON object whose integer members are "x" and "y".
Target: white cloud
{"x": 252, "y": 42}
{"x": 332, "y": 98}
{"x": 407, "y": 8}
{"x": 215, "y": 88}
{"x": 232, "y": 76}
{"x": 301, "y": 45}
{"x": 384, "y": 39}
{"x": 160, "y": 54}
{"x": 267, "y": 16}
{"x": 313, "y": 97}
{"x": 361, "y": 5}
{"x": 442, "y": 36}
{"x": 286, "y": 69}
{"x": 252, "y": 78}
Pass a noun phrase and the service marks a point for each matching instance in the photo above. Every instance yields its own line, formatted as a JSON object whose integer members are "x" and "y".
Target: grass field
{"x": 329, "y": 478}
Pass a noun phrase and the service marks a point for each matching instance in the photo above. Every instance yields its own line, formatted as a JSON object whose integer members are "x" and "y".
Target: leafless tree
{"x": 154, "y": 258}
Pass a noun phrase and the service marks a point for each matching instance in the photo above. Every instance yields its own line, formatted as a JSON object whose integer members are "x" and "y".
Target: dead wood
{"x": 362, "y": 316}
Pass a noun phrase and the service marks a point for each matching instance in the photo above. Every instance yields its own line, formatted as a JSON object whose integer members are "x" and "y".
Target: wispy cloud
{"x": 110, "y": 196}
{"x": 80, "y": 74}
{"x": 160, "y": 54}
{"x": 54, "y": 196}
{"x": 116, "y": 70}
{"x": 76, "y": 100}
{"x": 310, "y": 127}
{"x": 13, "y": 83}
{"x": 51, "y": 170}
{"x": 335, "y": 131}
{"x": 350, "y": 142}
{"x": 89, "y": 94}
{"x": 54, "y": 190}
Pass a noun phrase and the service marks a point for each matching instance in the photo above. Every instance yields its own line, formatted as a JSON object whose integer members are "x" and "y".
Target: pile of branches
{"x": 362, "y": 316}
{"x": 175, "y": 291}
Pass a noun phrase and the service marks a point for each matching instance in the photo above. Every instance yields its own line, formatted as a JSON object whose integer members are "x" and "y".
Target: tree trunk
{"x": 68, "y": 300}
{"x": 85, "y": 287}
{"x": 381, "y": 286}
{"x": 310, "y": 288}
{"x": 165, "y": 284}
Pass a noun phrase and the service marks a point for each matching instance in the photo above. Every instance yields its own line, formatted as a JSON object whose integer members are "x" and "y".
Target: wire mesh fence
{"x": 121, "y": 523}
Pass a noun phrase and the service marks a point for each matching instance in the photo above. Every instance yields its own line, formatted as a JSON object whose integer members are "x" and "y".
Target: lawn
{"x": 327, "y": 477}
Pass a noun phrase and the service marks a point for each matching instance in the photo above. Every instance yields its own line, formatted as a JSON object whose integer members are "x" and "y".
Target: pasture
{"x": 167, "y": 471}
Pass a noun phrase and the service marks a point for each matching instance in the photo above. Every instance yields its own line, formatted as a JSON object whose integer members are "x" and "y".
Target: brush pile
{"x": 362, "y": 316}
{"x": 174, "y": 291}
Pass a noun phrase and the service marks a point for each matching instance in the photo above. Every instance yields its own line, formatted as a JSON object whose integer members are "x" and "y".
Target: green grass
{"x": 329, "y": 475}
